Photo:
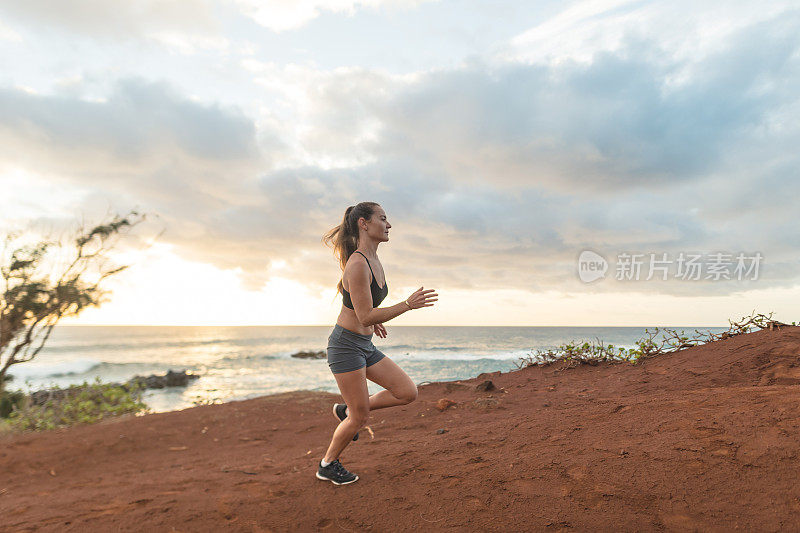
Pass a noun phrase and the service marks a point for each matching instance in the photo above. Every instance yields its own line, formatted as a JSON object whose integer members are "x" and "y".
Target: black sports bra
{"x": 378, "y": 293}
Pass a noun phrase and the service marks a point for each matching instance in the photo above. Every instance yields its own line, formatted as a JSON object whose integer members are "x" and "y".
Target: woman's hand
{"x": 422, "y": 298}
{"x": 380, "y": 331}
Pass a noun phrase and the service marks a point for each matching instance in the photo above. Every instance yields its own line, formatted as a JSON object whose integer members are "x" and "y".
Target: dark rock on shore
{"x": 311, "y": 355}
{"x": 171, "y": 379}
{"x": 153, "y": 381}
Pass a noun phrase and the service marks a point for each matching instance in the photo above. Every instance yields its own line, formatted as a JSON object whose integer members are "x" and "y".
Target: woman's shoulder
{"x": 356, "y": 262}
{"x": 358, "y": 257}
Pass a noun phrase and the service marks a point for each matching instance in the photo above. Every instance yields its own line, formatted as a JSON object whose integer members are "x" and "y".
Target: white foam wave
{"x": 34, "y": 370}
{"x": 455, "y": 356}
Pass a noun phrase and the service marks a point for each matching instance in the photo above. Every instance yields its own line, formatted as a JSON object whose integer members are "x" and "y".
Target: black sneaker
{"x": 336, "y": 473}
{"x": 339, "y": 412}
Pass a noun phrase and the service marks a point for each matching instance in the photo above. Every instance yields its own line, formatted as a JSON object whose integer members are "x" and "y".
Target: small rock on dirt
{"x": 444, "y": 403}
{"x": 485, "y": 386}
{"x": 486, "y": 403}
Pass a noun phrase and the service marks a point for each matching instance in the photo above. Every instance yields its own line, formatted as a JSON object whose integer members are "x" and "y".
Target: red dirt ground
{"x": 702, "y": 439}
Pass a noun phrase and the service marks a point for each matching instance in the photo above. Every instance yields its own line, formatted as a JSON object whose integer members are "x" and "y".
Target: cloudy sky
{"x": 502, "y": 138}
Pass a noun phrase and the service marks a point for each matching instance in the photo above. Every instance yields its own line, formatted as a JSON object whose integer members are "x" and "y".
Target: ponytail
{"x": 344, "y": 237}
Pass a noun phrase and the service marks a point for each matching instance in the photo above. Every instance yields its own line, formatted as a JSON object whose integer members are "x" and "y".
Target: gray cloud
{"x": 137, "y": 120}
{"x": 614, "y": 123}
{"x": 528, "y": 164}
{"x": 148, "y": 146}
{"x": 494, "y": 176}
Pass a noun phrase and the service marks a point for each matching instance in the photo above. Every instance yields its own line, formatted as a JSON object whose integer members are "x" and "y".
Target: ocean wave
{"x": 79, "y": 367}
{"x": 21, "y": 372}
{"x": 432, "y": 355}
{"x": 121, "y": 346}
{"x": 253, "y": 357}
{"x": 448, "y": 348}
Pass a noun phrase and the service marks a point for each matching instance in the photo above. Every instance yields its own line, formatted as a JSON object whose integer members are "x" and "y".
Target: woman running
{"x": 351, "y": 355}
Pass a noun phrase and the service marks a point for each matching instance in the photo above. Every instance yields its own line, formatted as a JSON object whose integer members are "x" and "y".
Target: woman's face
{"x": 378, "y": 225}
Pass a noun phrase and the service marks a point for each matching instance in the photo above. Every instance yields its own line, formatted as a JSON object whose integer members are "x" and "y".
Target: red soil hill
{"x": 702, "y": 439}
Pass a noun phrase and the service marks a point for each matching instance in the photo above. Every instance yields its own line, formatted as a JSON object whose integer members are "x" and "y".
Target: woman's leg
{"x": 400, "y": 389}
{"x": 353, "y": 386}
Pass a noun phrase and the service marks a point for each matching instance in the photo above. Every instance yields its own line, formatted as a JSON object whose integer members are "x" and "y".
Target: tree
{"x": 48, "y": 280}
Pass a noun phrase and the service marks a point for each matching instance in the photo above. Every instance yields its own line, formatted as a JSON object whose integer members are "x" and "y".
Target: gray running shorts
{"x": 348, "y": 350}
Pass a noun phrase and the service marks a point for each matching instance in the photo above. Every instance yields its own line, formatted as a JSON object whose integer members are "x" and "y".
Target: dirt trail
{"x": 703, "y": 439}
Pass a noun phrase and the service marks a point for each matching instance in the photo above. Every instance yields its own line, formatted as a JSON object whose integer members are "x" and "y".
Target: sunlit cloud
{"x": 608, "y": 125}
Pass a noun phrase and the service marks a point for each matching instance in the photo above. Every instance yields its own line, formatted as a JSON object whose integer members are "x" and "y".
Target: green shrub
{"x": 78, "y": 404}
{"x": 9, "y": 400}
{"x": 656, "y": 342}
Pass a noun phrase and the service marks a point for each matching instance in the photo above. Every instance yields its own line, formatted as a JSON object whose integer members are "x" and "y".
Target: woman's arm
{"x": 358, "y": 279}
{"x": 379, "y": 315}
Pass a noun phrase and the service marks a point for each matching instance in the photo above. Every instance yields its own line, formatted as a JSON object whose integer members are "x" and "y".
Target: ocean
{"x": 237, "y": 363}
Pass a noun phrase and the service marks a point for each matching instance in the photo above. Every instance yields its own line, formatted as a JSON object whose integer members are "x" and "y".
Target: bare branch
{"x": 33, "y": 302}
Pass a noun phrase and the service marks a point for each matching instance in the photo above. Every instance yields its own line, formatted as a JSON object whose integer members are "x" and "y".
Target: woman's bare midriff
{"x": 347, "y": 317}
{"x": 348, "y": 320}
